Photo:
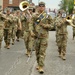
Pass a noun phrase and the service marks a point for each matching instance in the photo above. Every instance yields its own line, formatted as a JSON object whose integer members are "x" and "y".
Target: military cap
{"x": 30, "y": 7}
{"x": 18, "y": 11}
{"x": 7, "y": 9}
{"x": 41, "y": 3}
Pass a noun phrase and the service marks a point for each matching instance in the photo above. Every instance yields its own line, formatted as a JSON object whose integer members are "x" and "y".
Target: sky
{"x": 53, "y": 4}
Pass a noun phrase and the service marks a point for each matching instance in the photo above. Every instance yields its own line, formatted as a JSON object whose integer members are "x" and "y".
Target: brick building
{"x": 11, "y": 4}
{"x": 1, "y": 3}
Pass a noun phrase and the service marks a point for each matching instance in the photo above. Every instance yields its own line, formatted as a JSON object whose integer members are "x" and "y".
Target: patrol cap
{"x": 30, "y": 8}
{"x": 18, "y": 11}
{"x": 41, "y": 4}
{"x": 8, "y": 9}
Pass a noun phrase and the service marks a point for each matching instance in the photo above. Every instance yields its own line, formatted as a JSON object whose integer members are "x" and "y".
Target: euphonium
{"x": 24, "y": 5}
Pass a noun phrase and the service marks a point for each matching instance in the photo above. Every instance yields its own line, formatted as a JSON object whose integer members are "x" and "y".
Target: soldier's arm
{"x": 19, "y": 24}
{"x": 48, "y": 24}
{"x": 31, "y": 26}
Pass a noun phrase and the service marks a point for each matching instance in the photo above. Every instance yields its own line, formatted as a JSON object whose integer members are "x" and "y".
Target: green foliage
{"x": 67, "y": 5}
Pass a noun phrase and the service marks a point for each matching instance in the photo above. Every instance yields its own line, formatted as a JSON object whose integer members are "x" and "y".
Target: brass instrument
{"x": 69, "y": 19}
{"x": 24, "y": 5}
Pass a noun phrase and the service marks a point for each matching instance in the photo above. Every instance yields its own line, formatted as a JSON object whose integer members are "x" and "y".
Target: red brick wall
{"x": 15, "y": 3}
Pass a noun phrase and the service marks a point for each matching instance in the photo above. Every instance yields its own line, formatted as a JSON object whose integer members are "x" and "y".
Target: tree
{"x": 67, "y": 5}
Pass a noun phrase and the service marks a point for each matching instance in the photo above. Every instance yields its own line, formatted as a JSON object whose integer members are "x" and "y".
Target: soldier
{"x": 73, "y": 16}
{"x": 14, "y": 27}
{"x": 1, "y": 29}
{"x": 18, "y": 33}
{"x": 8, "y": 28}
{"x": 25, "y": 19}
{"x": 73, "y": 28}
{"x": 61, "y": 34}
{"x": 39, "y": 26}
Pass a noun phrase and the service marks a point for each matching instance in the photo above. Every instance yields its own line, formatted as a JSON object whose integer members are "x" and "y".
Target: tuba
{"x": 24, "y": 5}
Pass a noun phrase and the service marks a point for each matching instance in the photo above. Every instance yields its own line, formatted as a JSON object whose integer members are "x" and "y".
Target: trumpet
{"x": 24, "y": 5}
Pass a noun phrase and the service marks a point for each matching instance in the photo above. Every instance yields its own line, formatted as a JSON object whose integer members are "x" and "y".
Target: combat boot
{"x": 13, "y": 42}
{"x": 28, "y": 53}
{"x": 63, "y": 57}
{"x": 37, "y": 68}
{"x": 40, "y": 69}
{"x": 8, "y": 46}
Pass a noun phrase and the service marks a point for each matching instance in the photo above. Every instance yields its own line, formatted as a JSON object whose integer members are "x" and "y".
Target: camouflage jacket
{"x": 8, "y": 23}
{"x": 74, "y": 23}
{"x": 61, "y": 26}
{"x": 40, "y": 29}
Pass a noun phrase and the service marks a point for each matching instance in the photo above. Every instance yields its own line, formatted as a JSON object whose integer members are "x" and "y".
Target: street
{"x": 13, "y": 61}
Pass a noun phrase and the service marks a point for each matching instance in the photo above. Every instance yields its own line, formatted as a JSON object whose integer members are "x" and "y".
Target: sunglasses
{"x": 41, "y": 5}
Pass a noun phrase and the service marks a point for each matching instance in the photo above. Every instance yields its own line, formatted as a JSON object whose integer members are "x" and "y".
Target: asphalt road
{"x": 13, "y": 61}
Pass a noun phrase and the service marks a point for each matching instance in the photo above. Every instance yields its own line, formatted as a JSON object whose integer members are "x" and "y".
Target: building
{"x": 13, "y": 4}
{"x": 1, "y": 4}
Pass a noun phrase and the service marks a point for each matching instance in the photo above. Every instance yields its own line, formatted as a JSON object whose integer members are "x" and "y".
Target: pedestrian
{"x": 39, "y": 28}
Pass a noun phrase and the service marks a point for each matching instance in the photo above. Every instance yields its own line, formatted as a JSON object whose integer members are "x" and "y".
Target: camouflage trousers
{"x": 13, "y": 33}
{"x": 1, "y": 37}
{"x": 18, "y": 34}
{"x": 41, "y": 46}
{"x": 29, "y": 41}
{"x": 7, "y": 35}
{"x": 62, "y": 43}
{"x": 73, "y": 32}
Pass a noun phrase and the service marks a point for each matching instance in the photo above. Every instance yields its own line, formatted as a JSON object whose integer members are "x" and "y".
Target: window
{"x": 10, "y": 1}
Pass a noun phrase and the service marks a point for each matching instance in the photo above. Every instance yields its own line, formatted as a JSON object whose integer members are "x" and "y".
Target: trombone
{"x": 24, "y": 5}
{"x": 69, "y": 19}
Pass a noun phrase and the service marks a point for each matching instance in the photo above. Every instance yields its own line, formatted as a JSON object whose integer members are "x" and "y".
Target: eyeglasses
{"x": 41, "y": 5}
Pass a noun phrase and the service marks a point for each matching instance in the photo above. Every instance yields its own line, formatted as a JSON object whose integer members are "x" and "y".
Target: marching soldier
{"x": 73, "y": 28}
{"x": 1, "y": 28}
{"x": 39, "y": 26}
{"x": 14, "y": 27}
{"x": 73, "y": 17}
{"x": 19, "y": 27}
{"x": 25, "y": 19}
{"x": 61, "y": 34}
{"x": 8, "y": 28}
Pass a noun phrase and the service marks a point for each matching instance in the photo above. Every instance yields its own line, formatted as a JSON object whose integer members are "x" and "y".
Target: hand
{"x": 32, "y": 33}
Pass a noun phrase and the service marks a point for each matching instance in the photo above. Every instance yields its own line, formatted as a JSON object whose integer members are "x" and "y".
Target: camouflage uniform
{"x": 61, "y": 33}
{"x": 1, "y": 30}
{"x": 14, "y": 27}
{"x": 8, "y": 29}
{"x": 25, "y": 31}
{"x": 18, "y": 33}
{"x": 41, "y": 33}
{"x": 73, "y": 28}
